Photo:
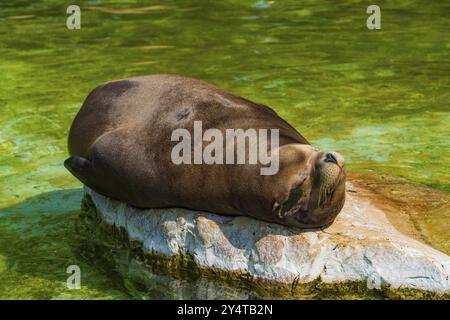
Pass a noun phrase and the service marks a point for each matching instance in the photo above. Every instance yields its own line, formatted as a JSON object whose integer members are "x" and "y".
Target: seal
{"x": 121, "y": 145}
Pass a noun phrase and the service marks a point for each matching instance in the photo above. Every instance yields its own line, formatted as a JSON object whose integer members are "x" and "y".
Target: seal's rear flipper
{"x": 80, "y": 167}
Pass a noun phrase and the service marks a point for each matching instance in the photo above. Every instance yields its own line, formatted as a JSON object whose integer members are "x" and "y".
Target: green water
{"x": 381, "y": 98}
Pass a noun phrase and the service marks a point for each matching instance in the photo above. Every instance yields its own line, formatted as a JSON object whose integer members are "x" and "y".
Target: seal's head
{"x": 317, "y": 194}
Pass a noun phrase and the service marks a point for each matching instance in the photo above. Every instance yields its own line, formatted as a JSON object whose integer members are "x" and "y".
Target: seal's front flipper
{"x": 81, "y": 168}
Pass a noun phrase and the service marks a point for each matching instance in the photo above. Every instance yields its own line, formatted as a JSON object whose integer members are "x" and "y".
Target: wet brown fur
{"x": 124, "y": 129}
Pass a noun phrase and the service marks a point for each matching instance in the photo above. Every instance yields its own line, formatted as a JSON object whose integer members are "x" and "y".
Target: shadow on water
{"x": 38, "y": 241}
{"x": 41, "y": 236}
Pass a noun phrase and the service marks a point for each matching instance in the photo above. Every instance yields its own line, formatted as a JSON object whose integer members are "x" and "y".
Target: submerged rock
{"x": 361, "y": 245}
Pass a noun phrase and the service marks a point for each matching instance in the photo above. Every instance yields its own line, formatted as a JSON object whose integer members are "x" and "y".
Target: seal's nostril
{"x": 330, "y": 158}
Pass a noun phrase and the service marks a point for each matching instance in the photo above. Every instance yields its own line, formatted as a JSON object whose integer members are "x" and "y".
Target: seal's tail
{"x": 81, "y": 168}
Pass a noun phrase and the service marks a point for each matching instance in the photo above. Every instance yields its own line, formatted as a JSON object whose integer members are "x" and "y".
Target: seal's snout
{"x": 335, "y": 158}
{"x": 319, "y": 198}
{"x": 327, "y": 194}
{"x": 330, "y": 158}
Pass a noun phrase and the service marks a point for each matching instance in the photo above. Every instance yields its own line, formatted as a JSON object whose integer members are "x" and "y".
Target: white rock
{"x": 361, "y": 245}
